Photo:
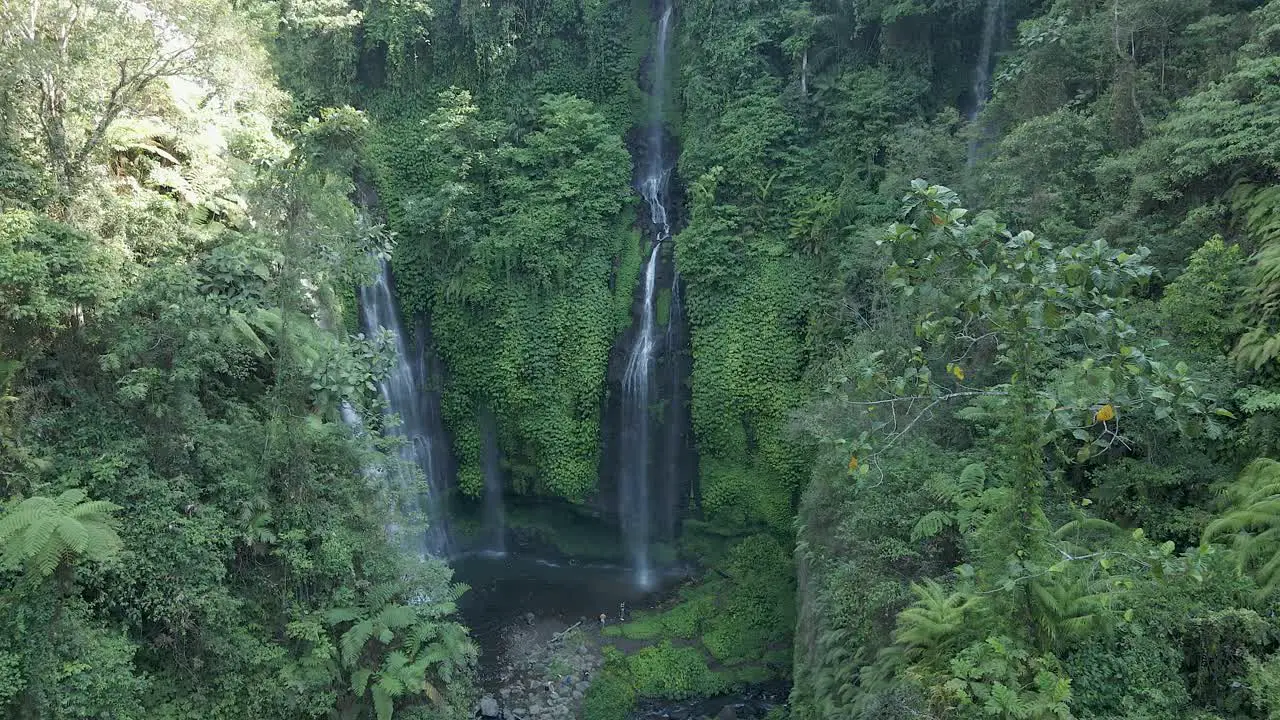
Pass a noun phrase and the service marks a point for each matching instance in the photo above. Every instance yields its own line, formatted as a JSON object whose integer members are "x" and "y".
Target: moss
{"x": 662, "y": 308}
{"x": 573, "y": 533}
{"x": 684, "y": 621}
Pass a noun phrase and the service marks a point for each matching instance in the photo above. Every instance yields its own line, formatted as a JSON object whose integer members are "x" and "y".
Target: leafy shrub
{"x": 675, "y": 673}
{"x": 1136, "y": 675}
{"x": 610, "y": 697}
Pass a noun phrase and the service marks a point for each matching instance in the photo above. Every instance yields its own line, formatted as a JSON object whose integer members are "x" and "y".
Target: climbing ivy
{"x": 509, "y": 237}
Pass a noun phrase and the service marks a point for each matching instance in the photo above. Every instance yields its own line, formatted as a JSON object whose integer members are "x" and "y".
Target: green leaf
{"x": 382, "y": 702}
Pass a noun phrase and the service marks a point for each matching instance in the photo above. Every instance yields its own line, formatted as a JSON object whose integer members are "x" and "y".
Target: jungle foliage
{"x": 1016, "y": 419}
{"x": 189, "y": 529}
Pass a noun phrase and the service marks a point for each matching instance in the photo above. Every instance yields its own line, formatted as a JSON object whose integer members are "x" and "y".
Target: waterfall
{"x": 495, "y": 519}
{"x": 403, "y": 391}
{"x": 634, "y": 492}
{"x": 637, "y": 382}
{"x": 991, "y": 22}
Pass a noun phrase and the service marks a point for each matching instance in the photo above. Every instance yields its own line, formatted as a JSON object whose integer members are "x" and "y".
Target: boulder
{"x": 488, "y": 707}
{"x": 727, "y": 713}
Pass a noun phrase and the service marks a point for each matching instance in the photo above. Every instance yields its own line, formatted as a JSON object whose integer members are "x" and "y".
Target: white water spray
{"x": 404, "y": 396}
{"x": 991, "y": 22}
{"x": 634, "y": 506}
{"x": 495, "y": 517}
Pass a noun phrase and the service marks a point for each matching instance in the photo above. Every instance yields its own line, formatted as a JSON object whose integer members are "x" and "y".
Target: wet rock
{"x": 727, "y": 713}
{"x": 488, "y": 707}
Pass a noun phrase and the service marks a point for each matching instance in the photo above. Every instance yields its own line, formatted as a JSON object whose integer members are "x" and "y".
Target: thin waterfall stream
{"x": 991, "y": 23}
{"x": 402, "y": 390}
{"x": 495, "y": 517}
{"x": 634, "y": 501}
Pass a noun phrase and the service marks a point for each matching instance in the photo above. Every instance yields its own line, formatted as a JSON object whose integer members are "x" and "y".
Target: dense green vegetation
{"x": 1000, "y": 442}
{"x": 189, "y": 530}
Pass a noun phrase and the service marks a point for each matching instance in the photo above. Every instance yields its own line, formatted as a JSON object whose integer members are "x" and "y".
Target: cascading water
{"x": 637, "y": 382}
{"x": 495, "y": 519}
{"x": 991, "y": 23}
{"x": 636, "y": 385}
{"x": 404, "y": 396}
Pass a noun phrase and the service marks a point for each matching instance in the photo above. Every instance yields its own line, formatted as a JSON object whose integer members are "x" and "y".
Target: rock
{"x": 528, "y": 618}
{"x": 520, "y": 712}
{"x": 727, "y": 713}
{"x": 582, "y": 686}
{"x": 582, "y": 650}
{"x": 488, "y": 707}
{"x": 505, "y": 692}
{"x": 577, "y": 694}
{"x": 535, "y": 709}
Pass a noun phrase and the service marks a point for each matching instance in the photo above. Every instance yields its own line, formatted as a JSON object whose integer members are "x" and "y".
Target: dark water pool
{"x": 505, "y": 588}
{"x": 560, "y": 591}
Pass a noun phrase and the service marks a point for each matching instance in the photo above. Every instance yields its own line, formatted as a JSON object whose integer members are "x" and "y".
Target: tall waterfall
{"x": 495, "y": 517}
{"x": 991, "y": 23}
{"x": 404, "y": 392}
{"x": 634, "y": 507}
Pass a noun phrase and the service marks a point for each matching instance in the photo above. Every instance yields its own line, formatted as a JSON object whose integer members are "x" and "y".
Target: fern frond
{"x": 69, "y": 499}
{"x": 396, "y": 616}
{"x": 1088, "y": 524}
{"x": 353, "y": 641}
{"x": 931, "y": 524}
{"x": 972, "y": 480}
{"x": 381, "y": 702}
{"x": 360, "y": 681}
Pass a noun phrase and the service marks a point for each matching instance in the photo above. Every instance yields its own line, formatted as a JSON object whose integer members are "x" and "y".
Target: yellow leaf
{"x": 853, "y": 463}
{"x": 958, "y": 372}
{"x": 1105, "y": 413}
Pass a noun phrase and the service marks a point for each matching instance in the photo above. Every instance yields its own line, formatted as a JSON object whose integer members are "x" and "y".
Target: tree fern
{"x": 1253, "y": 523}
{"x": 963, "y": 495}
{"x": 930, "y": 627}
{"x": 1258, "y": 209}
{"x": 412, "y": 645}
{"x": 1064, "y": 609}
{"x": 40, "y": 533}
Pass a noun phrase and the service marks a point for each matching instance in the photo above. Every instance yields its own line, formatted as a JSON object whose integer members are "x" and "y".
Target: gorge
{"x": 639, "y": 359}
